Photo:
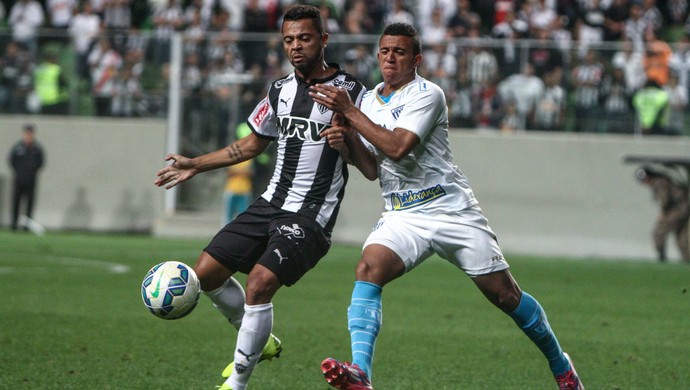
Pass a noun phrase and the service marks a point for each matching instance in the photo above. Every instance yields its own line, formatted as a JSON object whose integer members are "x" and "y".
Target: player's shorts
{"x": 463, "y": 238}
{"x": 286, "y": 243}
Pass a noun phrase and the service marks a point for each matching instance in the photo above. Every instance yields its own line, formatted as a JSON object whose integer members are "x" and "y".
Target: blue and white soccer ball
{"x": 170, "y": 290}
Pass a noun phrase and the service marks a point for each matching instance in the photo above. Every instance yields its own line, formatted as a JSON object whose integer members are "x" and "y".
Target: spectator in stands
{"x": 487, "y": 107}
{"x": 544, "y": 56}
{"x": 589, "y": 28}
{"x": 221, "y": 89}
{"x": 50, "y": 85}
{"x": 166, "y": 20}
{"x": 652, "y": 15}
{"x": 15, "y": 79}
{"x": 508, "y": 31}
{"x": 542, "y": 15}
{"x": 128, "y": 93}
{"x": 425, "y": 10}
{"x": 524, "y": 89}
{"x": 399, "y": 13}
{"x": 675, "y": 15}
{"x": 26, "y": 17}
{"x": 549, "y": 113}
{"x": 201, "y": 9}
{"x": 656, "y": 59}
{"x": 435, "y": 31}
{"x": 193, "y": 104}
{"x": 194, "y": 35}
{"x": 330, "y": 17}
{"x": 651, "y": 105}
{"x": 630, "y": 60}
{"x": 357, "y": 19}
{"x": 481, "y": 63}
{"x": 614, "y": 20}
{"x": 615, "y": 103}
{"x": 84, "y": 29}
{"x": 360, "y": 63}
{"x": 60, "y": 14}
{"x": 105, "y": 63}
{"x": 680, "y": 61}
{"x": 586, "y": 80}
{"x": 635, "y": 25}
{"x": 117, "y": 19}
{"x": 462, "y": 21}
{"x": 460, "y": 96}
{"x": 678, "y": 103}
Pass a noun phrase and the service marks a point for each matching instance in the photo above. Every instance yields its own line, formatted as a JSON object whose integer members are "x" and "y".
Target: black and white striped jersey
{"x": 309, "y": 176}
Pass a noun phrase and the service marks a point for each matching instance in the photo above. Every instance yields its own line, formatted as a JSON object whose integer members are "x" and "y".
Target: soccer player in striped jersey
{"x": 429, "y": 208}
{"x": 287, "y": 230}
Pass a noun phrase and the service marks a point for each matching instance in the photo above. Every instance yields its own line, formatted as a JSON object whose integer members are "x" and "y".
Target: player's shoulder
{"x": 279, "y": 83}
{"x": 421, "y": 87}
{"x": 347, "y": 81}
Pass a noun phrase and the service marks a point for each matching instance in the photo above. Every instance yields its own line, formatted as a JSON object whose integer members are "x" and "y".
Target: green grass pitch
{"x": 72, "y": 318}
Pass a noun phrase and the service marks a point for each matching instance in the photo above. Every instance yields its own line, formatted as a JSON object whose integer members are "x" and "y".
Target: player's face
{"x": 397, "y": 60}
{"x": 303, "y": 45}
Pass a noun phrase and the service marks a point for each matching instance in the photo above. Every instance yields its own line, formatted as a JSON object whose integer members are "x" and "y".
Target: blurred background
{"x": 546, "y": 100}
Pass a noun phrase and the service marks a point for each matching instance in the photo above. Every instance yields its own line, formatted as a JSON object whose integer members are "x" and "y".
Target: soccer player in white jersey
{"x": 429, "y": 207}
{"x": 287, "y": 230}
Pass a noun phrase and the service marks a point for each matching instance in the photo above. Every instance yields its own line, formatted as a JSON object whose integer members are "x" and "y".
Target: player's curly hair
{"x": 303, "y": 11}
{"x": 406, "y": 30}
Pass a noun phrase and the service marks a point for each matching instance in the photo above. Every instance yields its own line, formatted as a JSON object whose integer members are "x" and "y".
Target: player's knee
{"x": 211, "y": 273}
{"x": 261, "y": 286}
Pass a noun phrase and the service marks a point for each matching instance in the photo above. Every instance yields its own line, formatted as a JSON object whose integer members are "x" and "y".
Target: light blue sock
{"x": 364, "y": 323}
{"x": 530, "y": 317}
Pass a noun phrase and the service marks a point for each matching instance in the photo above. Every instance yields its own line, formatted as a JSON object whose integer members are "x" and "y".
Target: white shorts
{"x": 463, "y": 238}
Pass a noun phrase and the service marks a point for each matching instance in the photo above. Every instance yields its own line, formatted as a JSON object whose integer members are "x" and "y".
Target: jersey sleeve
{"x": 423, "y": 107}
{"x": 262, "y": 120}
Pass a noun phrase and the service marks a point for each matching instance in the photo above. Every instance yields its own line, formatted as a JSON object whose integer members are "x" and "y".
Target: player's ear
{"x": 324, "y": 40}
{"x": 417, "y": 60}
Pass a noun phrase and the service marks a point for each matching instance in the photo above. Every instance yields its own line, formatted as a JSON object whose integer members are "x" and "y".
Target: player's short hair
{"x": 303, "y": 11}
{"x": 406, "y": 30}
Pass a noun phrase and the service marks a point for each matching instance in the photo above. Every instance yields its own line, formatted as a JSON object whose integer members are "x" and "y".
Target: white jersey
{"x": 426, "y": 180}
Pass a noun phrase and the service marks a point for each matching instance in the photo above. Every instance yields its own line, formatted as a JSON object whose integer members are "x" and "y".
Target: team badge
{"x": 396, "y": 112}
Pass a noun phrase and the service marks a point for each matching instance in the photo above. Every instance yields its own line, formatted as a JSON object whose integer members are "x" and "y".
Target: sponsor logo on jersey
{"x": 396, "y": 112}
{"x": 294, "y": 231}
{"x": 304, "y": 129}
{"x": 409, "y": 199}
{"x": 279, "y": 83}
{"x": 261, "y": 113}
{"x": 349, "y": 85}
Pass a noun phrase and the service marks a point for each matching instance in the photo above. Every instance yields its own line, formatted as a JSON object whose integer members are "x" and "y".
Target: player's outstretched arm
{"x": 184, "y": 168}
{"x": 394, "y": 144}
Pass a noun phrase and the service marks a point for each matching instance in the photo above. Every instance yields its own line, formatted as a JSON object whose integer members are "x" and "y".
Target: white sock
{"x": 251, "y": 339}
{"x": 229, "y": 300}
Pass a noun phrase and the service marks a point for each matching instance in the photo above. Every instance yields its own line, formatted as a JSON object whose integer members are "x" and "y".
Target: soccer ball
{"x": 170, "y": 290}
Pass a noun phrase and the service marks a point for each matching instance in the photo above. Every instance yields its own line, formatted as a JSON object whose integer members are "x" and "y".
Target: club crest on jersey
{"x": 409, "y": 199}
{"x": 322, "y": 108}
{"x": 296, "y": 127}
{"x": 294, "y": 231}
{"x": 396, "y": 112}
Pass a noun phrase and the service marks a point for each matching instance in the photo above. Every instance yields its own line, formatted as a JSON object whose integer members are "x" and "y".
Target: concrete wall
{"x": 544, "y": 193}
{"x": 98, "y": 175}
{"x": 547, "y": 193}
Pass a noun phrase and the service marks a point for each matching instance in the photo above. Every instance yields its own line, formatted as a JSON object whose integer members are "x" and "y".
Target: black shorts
{"x": 287, "y": 243}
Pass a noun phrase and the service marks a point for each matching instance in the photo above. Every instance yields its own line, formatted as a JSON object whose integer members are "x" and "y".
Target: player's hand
{"x": 181, "y": 170}
{"x": 335, "y": 136}
{"x": 335, "y": 98}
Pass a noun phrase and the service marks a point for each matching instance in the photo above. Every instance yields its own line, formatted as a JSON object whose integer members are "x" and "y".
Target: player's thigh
{"x": 466, "y": 240}
{"x": 239, "y": 244}
{"x": 402, "y": 234}
{"x": 294, "y": 247}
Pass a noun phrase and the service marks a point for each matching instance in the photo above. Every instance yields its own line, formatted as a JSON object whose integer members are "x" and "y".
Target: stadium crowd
{"x": 615, "y": 66}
